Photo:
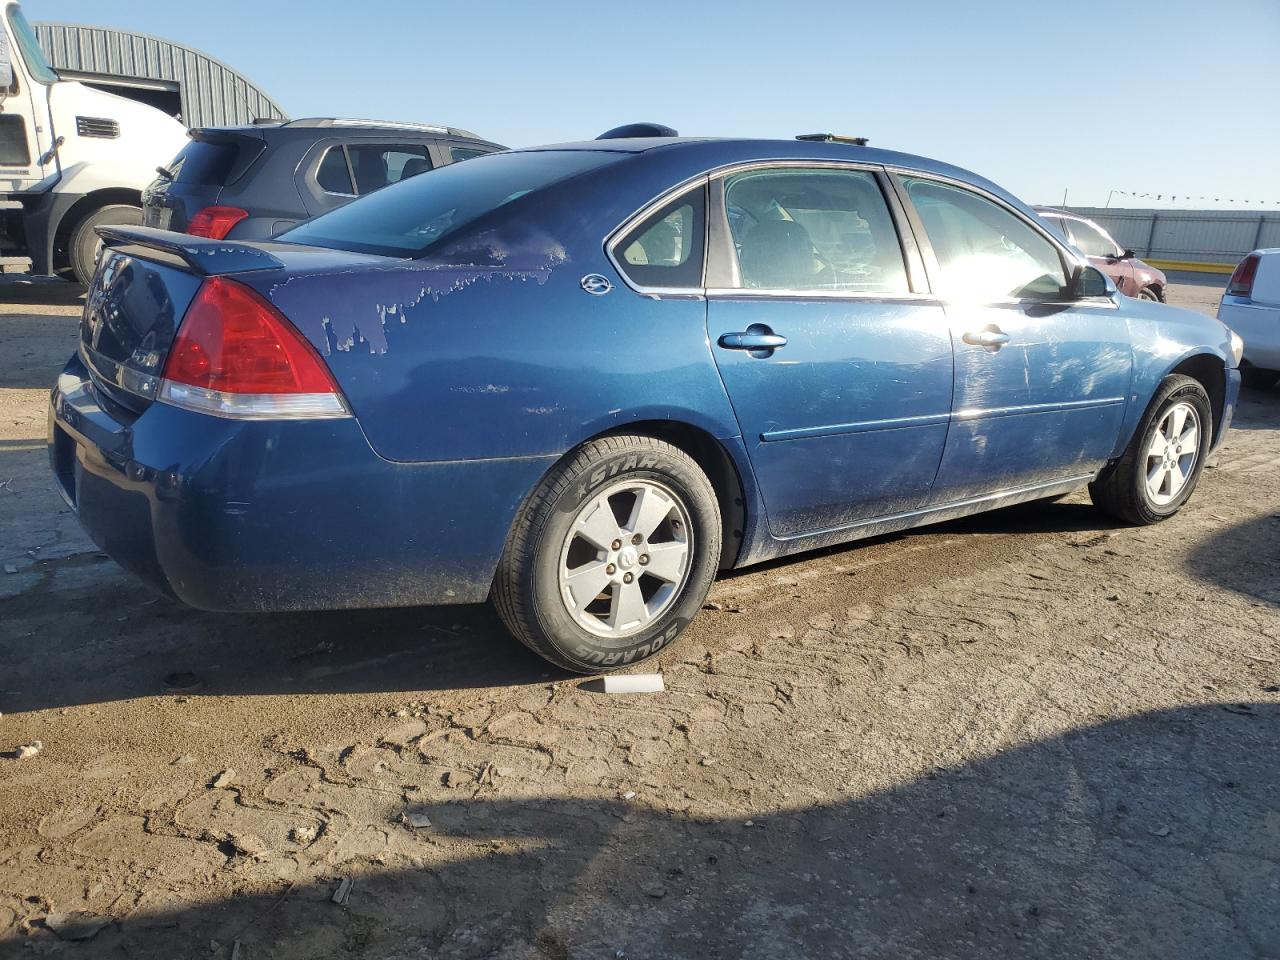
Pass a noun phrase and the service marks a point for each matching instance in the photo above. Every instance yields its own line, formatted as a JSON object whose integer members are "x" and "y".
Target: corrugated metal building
{"x": 192, "y": 86}
{"x": 1194, "y": 236}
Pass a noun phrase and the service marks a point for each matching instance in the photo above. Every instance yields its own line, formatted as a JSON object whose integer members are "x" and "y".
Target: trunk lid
{"x": 145, "y": 282}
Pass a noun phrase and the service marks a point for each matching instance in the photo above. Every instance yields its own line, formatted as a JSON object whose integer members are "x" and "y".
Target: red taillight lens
{"x": 235, "y": 355}
{"x": 215, "y": 222}
{"x": 1241, "y": 282}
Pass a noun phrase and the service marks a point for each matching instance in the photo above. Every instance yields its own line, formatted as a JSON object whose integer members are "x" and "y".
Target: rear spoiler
{"x": 204, "y": 256}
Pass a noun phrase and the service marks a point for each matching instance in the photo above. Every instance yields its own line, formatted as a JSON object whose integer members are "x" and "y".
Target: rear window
{"x": 214, "y": 164}
{"x": 405, "y": 219}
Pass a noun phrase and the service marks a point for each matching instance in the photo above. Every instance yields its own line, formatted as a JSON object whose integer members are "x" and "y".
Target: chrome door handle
{"x": 757, "y": 338}
{"x": 990, "y": 337}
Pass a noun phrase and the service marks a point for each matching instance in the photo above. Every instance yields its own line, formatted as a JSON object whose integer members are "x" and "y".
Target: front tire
{"x": 1150, "y": 293}
{"x": 83, "y": 250}
{"x": 612, "y": 556}
{"x": 1162, "y": 465}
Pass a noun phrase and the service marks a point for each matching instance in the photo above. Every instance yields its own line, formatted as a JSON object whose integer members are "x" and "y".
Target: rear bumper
{"x": 289, "y": 515}
{"x": 1258, "y": 326}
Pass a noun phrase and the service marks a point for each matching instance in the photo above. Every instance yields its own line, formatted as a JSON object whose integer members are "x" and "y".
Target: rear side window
{"x": 332, "y": 174}
{"x": 377, "y": 165}
{"x": 373, "y": 165}
{"x": 814, "y": 229}
{"x": 408, "y": 218}
{"x": 666, "y": 248}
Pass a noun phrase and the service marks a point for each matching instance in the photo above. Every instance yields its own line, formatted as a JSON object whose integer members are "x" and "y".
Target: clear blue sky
{"x": 1163, "y": 96}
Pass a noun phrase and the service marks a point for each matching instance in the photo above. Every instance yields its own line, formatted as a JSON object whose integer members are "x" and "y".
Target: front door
{"x": 840, "y": 376}
{"x": 1040, "y": 382}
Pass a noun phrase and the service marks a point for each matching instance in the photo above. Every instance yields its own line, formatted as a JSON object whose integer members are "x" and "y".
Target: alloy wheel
{"x": 626, "y": 558}
{"x": 1172, "y": 453}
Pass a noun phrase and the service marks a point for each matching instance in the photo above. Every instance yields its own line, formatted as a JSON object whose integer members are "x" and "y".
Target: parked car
{"x": 248, "y": 183}
{"x": 1133, "y": 277}
{"x": 582, "y": 379}
{"x": 1251, "y": 307}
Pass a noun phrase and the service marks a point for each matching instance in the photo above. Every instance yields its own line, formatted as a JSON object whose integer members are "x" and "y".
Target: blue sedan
{"x": 581, "y": 379}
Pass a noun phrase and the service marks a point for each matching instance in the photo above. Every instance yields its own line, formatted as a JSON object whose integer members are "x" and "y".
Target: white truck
{"x": 71, "y": 158}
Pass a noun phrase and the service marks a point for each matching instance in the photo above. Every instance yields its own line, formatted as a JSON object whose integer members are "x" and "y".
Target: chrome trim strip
{"x": 981, "y": 413}
{"x": 883, "y": 297}
{"x": 865, "y": 426}
{"x": 985, "y": 499}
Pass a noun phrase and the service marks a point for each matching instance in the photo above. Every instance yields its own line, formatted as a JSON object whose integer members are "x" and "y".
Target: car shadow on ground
{"x": 1215, "y": 559}
{"x": 136, "y": 643}
{"x": 1152, "y": 836}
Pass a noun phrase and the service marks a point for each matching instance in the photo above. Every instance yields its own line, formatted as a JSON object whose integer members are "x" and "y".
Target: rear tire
{"x": 1162, "y": 465}
{"x": 591, "y": 592}
{"x": 1258, "y": 379}
{"x": 83, "y": 249}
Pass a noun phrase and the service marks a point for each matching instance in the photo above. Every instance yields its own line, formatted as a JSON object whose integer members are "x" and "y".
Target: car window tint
{"x": 332, "y": 173}
{"x": 809, "y": 229}
{"x": 466, "y": 153}
{"x": 408, "y": 218}
{"x": 666, "y": 248}
{"x": 1090, "y": 241}
{"x": 985, "y": 252}
{"x": 378, "y": 164}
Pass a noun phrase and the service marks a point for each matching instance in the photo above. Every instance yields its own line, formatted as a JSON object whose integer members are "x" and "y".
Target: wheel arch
{"x": 1209, "y": 371}
{"x": 715, "y": 461}
{"x": 60, "y": 231}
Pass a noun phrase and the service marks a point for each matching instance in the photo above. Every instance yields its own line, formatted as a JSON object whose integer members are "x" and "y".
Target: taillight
{"x": 1241, "y": 282}
{"x": 236, "y": 356}
{"x": 215, "y": 222}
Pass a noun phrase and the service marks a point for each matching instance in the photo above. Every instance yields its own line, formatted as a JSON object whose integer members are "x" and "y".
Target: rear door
{"x": 1040, "y": 382}
{"x": 838, "y": 366}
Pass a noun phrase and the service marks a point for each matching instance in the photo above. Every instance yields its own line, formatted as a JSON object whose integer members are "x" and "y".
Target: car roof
{"x": 715, "y": 151}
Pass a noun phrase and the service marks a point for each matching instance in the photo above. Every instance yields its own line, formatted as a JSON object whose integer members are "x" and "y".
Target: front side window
{"x": 814, "y": 229}
{"x": 985, "y": 253}
{"x": 666, "y": 248}
{"x": 1091, "y": 241}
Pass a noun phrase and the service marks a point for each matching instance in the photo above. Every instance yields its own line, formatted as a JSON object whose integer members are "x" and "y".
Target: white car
{"x": 1251, "y": 307}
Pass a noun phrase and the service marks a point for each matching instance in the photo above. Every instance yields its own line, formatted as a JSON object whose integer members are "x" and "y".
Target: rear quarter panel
{"x": 442, "y": 359}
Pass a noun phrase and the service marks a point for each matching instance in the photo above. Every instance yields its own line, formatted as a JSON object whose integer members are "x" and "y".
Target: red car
{"x": 1132, "y": 276}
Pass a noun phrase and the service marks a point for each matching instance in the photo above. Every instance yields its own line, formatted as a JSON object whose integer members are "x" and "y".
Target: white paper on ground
{"x": 634, "y": 683}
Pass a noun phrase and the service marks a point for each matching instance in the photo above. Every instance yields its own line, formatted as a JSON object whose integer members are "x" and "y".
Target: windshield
{"x": 32, "y": 55}
{"x": 406, "y": 218}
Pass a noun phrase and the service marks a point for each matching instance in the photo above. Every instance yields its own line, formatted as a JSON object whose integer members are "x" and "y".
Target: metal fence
{"x": 1220, "y": 237}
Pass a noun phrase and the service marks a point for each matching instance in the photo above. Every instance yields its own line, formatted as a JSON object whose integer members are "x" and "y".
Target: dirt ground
{"x": 1028, "y": 734}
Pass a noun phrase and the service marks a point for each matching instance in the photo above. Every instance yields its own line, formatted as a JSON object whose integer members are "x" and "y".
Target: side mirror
{"x": 1128, "y": 255}
{"x": 1087, "y": 282}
